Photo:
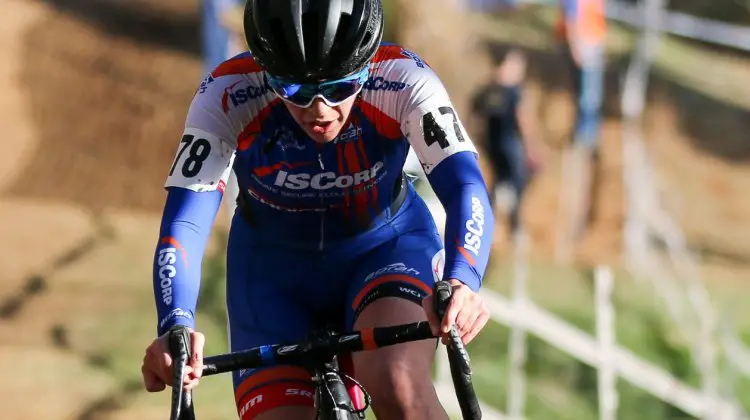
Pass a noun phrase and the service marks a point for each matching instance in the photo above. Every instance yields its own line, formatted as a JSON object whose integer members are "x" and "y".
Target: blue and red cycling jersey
{"x": 305, "y": 197}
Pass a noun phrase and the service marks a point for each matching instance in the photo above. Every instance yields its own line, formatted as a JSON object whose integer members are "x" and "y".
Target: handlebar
{"x": 318, "y": 349}
{"x": 324, "y": 348}
{"x": 458, "y": 358}
{"x": 179, "y": 348}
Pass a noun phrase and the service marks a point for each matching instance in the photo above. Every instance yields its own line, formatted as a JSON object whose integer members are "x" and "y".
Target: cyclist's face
{"x": 320, "y": 121}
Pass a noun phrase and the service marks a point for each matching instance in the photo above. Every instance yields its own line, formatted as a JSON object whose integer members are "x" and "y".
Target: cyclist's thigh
{"x": 261, "y": 312}
{"x": 388, "y": 290}
{"x": 402, "y": 268}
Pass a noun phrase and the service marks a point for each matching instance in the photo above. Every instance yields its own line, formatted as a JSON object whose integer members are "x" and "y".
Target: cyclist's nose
{"x": 319, "y": 108}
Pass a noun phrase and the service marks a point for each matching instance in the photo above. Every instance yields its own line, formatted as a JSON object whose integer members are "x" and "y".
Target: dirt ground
{"x": 94, "y": 98}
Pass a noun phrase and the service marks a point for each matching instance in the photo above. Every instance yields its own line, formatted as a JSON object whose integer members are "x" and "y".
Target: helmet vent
{"x": 311, "y": 39}
{"x": 277, "y": 33}
{"x": 338, "y": 40}
{"x": 365, "y": 42}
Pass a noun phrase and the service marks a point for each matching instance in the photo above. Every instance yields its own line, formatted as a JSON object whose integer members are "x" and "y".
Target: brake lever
{"x": 458, "y": 357}
{"x": 178, "y": 339}
{"x": 442, "y": 297}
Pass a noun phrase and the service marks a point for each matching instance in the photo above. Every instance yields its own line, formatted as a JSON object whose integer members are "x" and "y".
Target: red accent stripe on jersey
{"x": 361, "y": 210}
{"x": 252, "y": 129}
{"x": 469, "y": 258}
{"x": 340, "y": 159}
{"x": 363, "y": 153}
{"x": 239, "y": 65}
{"x": 393, "y": 52}
{"x": 270, "y": 375}
{"x": 225, "y": 98}
{"x": 276, "y": 395}
{"x": 366, "y": 162}
{"x": 170, "y": 240}
{"x": 388, "y": 52}
{"x": 385, "y": 125}
{"x": 268, "y": 170}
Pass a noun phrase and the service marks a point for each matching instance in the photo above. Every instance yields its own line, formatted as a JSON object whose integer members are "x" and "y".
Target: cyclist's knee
{"x": 283, "y": 413}
{"x": 399, "y": 377}
{"x": 401, "y": 386}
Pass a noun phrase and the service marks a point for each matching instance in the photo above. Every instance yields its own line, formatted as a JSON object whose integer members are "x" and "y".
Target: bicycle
{"x": 319, "y": 355}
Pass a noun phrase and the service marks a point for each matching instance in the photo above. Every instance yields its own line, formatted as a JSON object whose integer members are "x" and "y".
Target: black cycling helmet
{"x": 313, "y": 40}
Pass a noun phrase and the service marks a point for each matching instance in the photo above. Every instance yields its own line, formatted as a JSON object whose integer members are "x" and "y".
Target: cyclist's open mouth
{"x": 321, "y": 127}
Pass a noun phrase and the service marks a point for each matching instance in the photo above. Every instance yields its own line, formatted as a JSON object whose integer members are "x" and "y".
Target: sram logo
{"x": 300, "y": 392}
{"x": 475, "y": 227}
{"x": 250, "y": 404}
{"x": 166, "y": 271}
{"x": 326, "y": 180}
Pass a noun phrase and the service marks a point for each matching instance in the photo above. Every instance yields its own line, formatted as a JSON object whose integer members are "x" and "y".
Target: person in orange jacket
{"x": 582, "y": 28}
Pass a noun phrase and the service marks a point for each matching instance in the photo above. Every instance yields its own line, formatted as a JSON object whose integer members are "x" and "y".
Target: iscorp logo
{"x": 325, "y": 180}
{"x": 242, "y": 95}
{"x": 380, "y": 83}
{"x": 475, "y": 227}
{"x": 416, "y": 58}
{"x": 167, "y": 271}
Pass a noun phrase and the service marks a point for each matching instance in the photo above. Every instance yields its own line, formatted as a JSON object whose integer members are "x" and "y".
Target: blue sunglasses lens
{"x": 334, "y": 91}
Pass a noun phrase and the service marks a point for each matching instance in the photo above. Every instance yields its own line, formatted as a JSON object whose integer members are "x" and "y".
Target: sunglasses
{"x": 333, "y": 92}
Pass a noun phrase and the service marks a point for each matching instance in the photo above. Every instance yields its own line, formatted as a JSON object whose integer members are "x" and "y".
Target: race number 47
{"x": 434, "y": 133}
{"x": 198, "y": 151}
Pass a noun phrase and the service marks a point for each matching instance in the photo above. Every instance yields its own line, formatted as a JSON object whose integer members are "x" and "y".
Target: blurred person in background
{"x": 316, "y": 121}
{"x": 510, "y": 129}
{"x": 582, "y": 31}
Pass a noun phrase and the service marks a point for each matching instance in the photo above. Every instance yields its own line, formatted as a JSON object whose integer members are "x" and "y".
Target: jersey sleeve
{"x": 185, "y": 228}
{"x": 432, "y": 127}
{"x": 195, "y": 184}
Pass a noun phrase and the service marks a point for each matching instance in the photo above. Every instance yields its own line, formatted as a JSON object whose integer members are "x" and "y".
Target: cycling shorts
{"x": 277, "y": 295}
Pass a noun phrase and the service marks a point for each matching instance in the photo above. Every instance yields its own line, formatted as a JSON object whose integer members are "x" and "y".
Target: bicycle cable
{"x": 368, "y": 398}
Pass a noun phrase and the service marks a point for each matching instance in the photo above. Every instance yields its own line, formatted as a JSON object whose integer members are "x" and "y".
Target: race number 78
{"x": 198, "y": 151}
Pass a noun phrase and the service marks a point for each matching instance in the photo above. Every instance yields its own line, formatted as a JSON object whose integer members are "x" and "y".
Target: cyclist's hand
{"x": 466, "y": 310}
{"x": 157, "y": 363}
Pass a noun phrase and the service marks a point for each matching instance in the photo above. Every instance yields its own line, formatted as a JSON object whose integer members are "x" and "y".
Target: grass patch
{"x": 560, "y": 386}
